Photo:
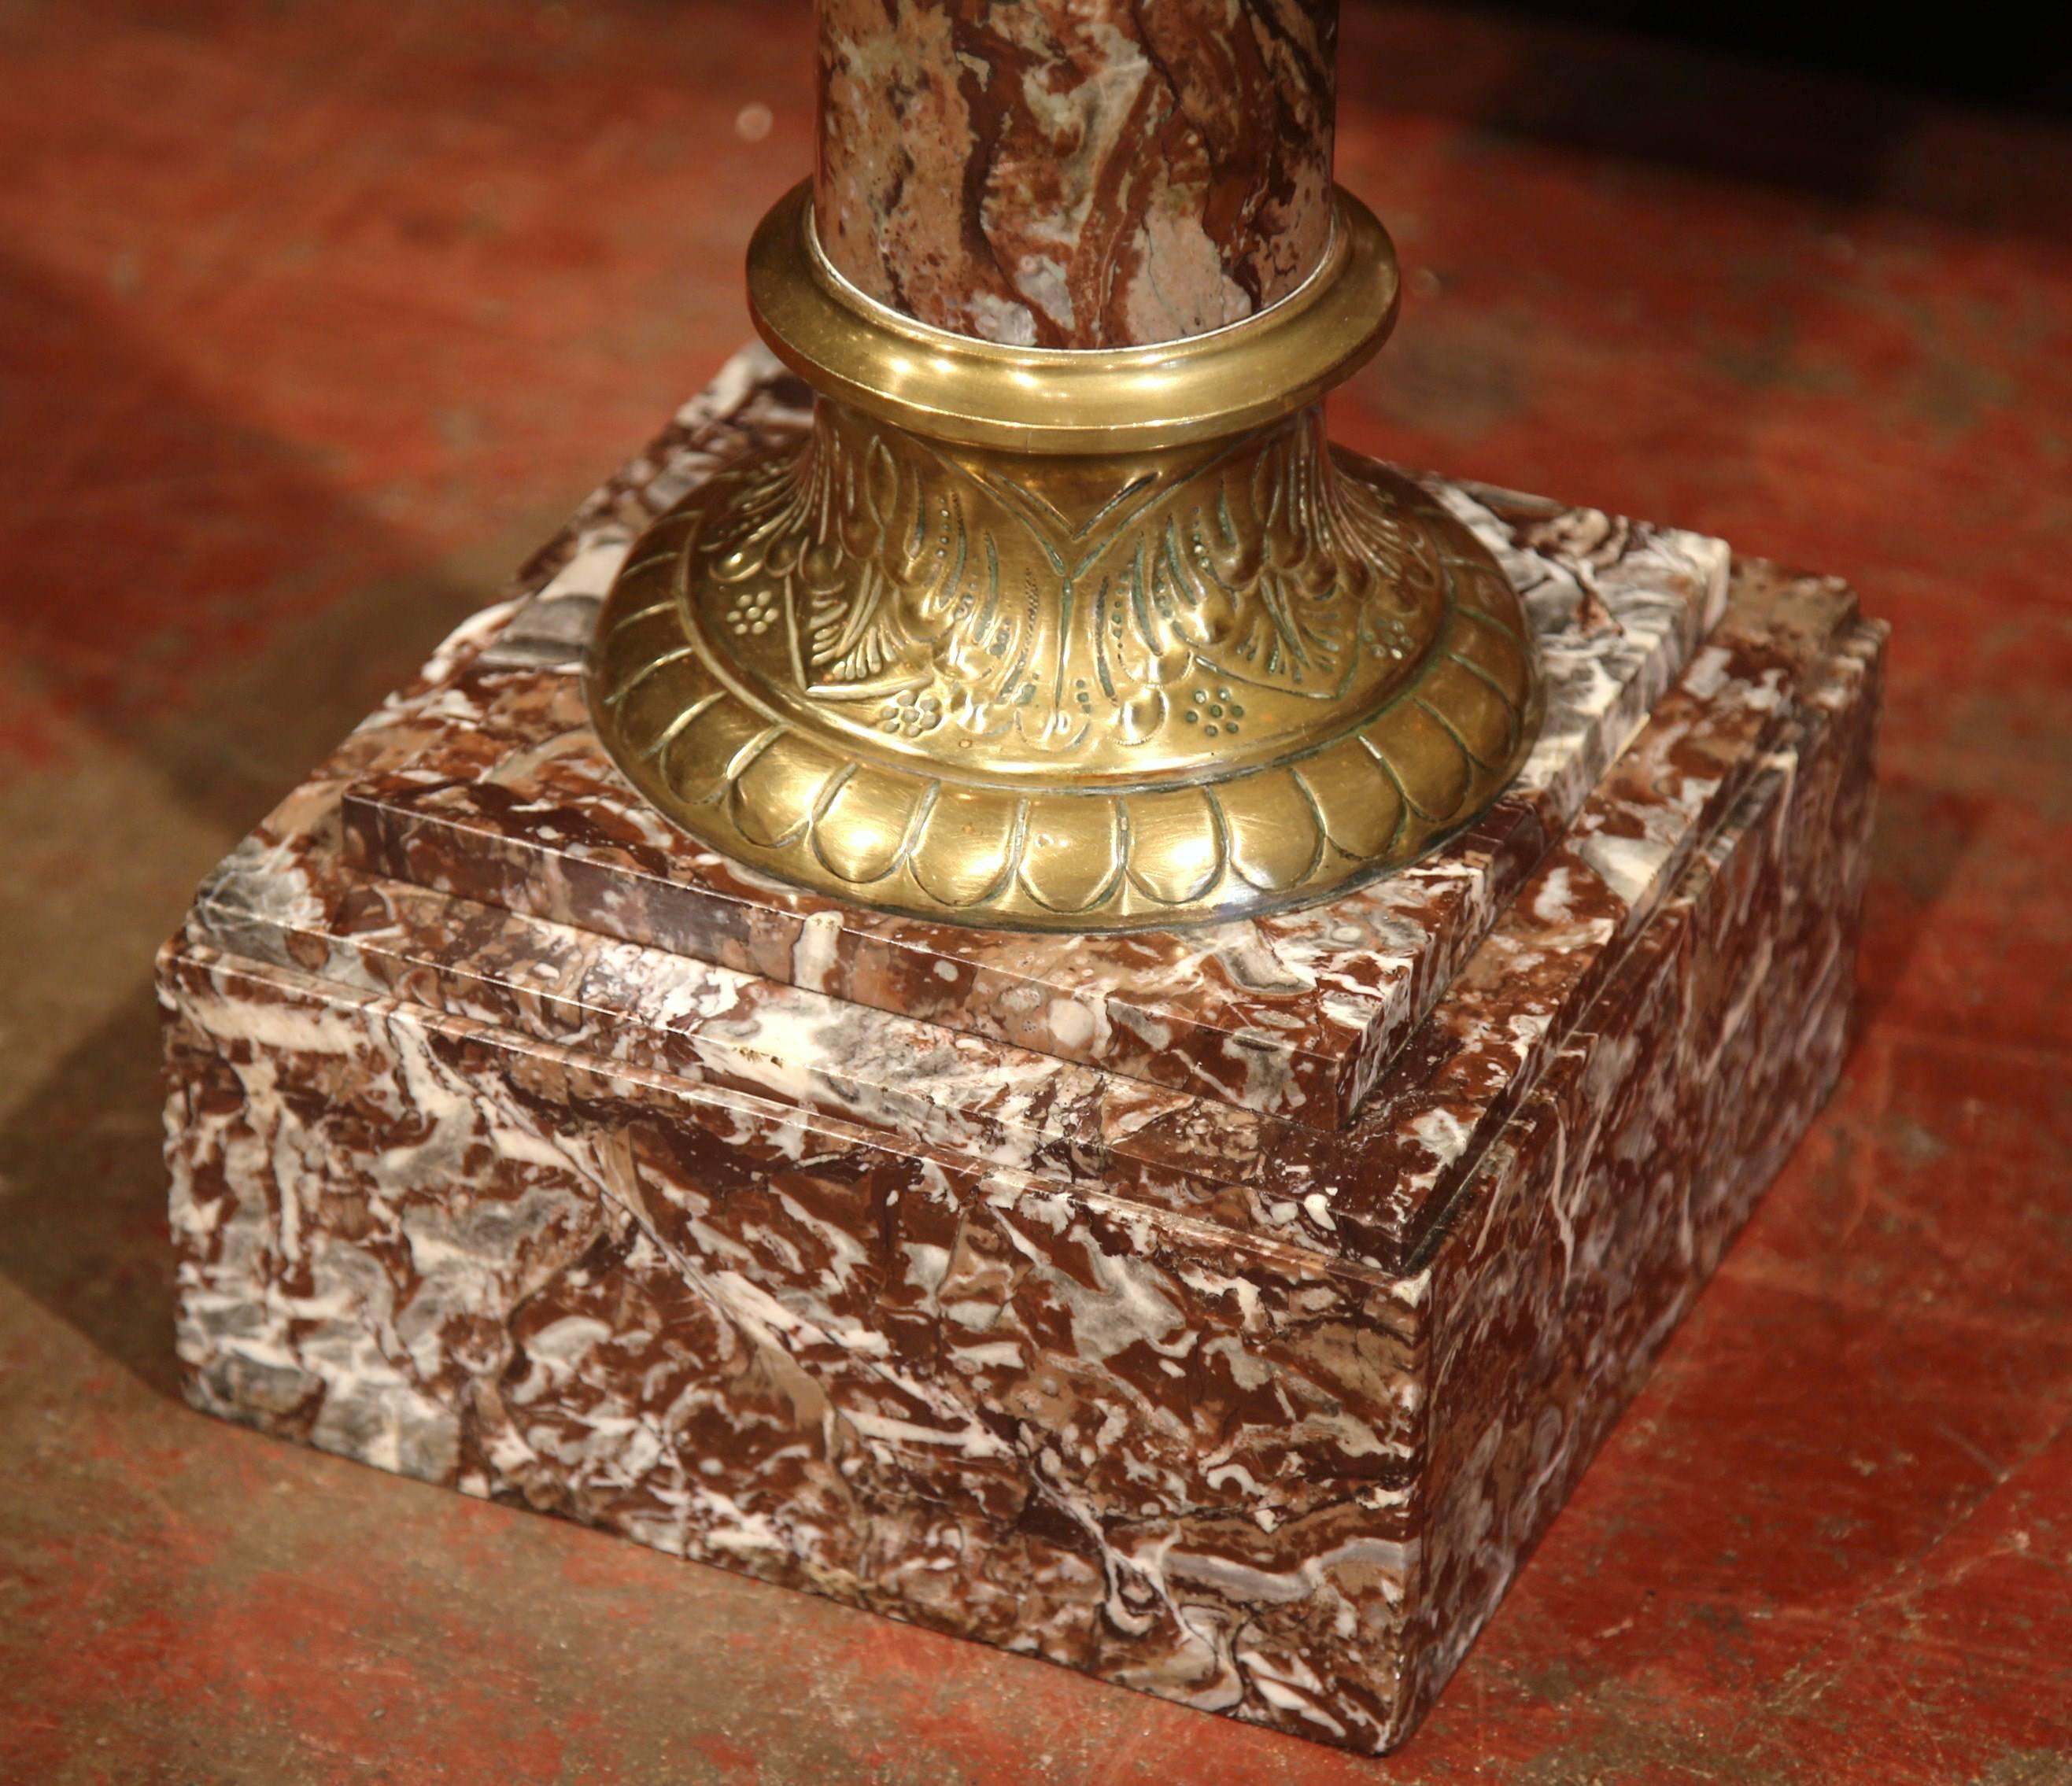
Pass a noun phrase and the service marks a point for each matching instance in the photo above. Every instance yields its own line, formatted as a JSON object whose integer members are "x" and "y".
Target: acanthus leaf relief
{"x": 869, "y": 633}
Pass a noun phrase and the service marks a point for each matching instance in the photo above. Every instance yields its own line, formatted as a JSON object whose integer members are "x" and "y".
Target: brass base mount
{"x": 1056, "y": 639}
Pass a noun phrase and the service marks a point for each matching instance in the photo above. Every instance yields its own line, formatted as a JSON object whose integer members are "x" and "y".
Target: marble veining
{"x": 1364, "y": 1191}
{"x": 1075, "y": 173}
{"x": 1211, "y": 1466}
{"x": 1255, "y": 1414}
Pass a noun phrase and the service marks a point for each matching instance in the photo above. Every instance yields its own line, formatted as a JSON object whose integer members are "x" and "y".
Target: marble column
{"x": 1075, "y": 173}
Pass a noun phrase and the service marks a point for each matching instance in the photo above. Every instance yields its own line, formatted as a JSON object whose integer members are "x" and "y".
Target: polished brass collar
{"x": 968, "y": 392}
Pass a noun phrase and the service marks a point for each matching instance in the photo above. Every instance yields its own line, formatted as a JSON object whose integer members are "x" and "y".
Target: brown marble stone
{"x": 1255, "y": 1415}
{"x": 1075, "y": 173}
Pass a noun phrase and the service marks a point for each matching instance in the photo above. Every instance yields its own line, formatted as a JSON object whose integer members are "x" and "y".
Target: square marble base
{"x": 1239, "y": 1358}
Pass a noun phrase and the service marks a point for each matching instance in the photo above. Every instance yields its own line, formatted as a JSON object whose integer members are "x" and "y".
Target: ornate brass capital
{"x": 950, "y": 654}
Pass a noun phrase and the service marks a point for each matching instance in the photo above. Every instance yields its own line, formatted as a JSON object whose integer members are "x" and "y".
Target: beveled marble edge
{"x": 195, "y": 953}
{"x": 286, "y": 897}
{"x": 1293, "y": 1014}
{"x": 1376, "y": 1188}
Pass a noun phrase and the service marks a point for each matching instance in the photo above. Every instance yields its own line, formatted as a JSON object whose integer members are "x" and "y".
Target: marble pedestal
{"x": 1224, "y": 1314}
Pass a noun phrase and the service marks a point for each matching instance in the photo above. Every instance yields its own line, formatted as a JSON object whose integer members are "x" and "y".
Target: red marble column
{"x": 1075, "y": 173}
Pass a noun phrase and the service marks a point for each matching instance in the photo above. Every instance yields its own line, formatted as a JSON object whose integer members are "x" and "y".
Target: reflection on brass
{"x": 1065, "y": 640}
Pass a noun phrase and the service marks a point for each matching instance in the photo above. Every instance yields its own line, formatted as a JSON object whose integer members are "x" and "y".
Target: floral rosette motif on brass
{"x": 1064, "y": 690}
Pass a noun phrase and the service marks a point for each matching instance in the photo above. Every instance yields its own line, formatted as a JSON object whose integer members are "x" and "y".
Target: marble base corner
{"x": 552, "y": 1165}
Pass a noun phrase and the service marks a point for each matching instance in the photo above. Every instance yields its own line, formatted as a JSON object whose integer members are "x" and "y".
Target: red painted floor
{"x": 314, "y": 317}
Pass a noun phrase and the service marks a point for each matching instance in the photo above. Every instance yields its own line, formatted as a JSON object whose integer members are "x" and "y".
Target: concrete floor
{"x": 314, "y": 317}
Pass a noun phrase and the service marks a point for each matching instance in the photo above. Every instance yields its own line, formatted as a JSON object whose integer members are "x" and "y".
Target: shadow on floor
{"x": 195, "y": 598}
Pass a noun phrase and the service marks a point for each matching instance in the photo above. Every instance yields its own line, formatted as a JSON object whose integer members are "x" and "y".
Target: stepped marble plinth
{"x": 1224, "y": 1313}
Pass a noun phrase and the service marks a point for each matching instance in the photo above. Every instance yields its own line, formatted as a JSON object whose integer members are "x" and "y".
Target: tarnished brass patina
{"x": 1066, "y": 640}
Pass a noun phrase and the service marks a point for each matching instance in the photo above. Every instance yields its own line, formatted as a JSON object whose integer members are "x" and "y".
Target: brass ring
{"x": 968, "y": 392}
